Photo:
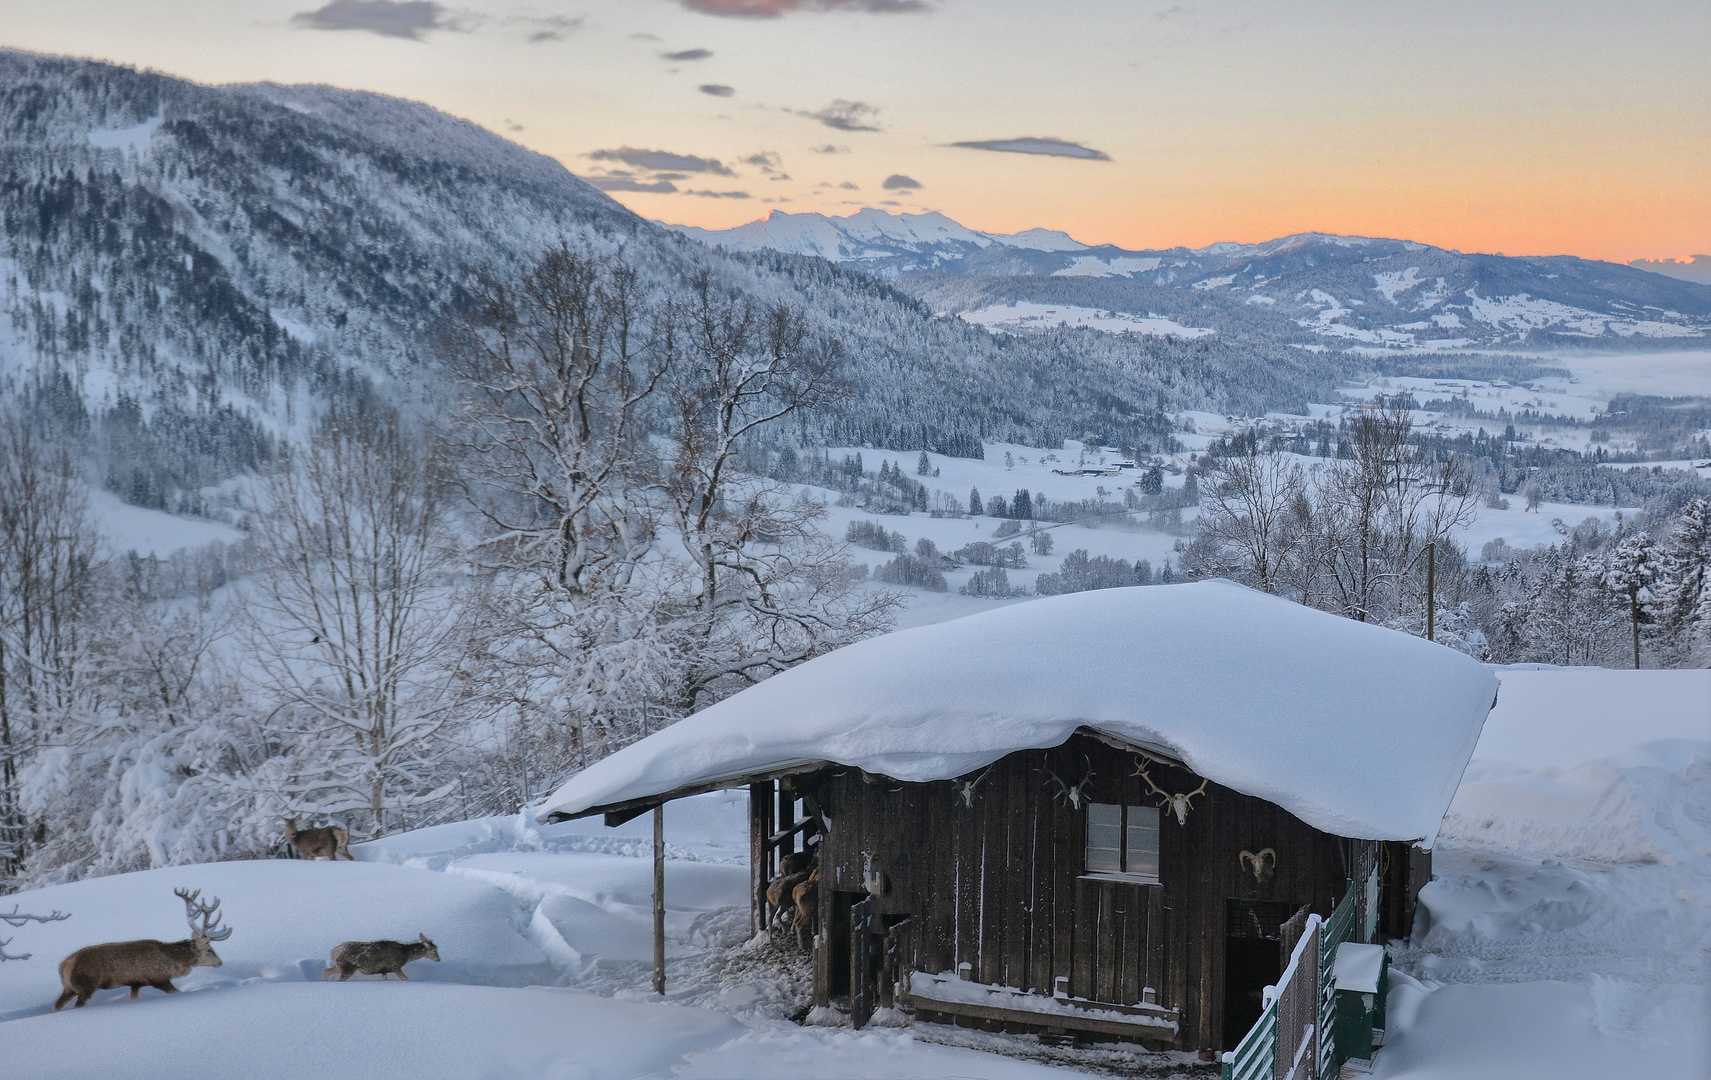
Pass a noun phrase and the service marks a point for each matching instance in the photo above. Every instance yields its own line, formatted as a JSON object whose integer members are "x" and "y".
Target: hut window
{"x": 1122, "y": 840}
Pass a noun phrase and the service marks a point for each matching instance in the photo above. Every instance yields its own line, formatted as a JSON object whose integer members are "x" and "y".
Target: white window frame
{"x": 1125, "y": 874}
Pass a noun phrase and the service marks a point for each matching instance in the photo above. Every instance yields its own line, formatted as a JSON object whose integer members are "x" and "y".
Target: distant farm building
{"x": 1105, "y": 814}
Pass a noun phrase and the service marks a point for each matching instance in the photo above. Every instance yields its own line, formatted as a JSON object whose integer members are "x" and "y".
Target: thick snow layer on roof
{"x": 1357, "y": 730}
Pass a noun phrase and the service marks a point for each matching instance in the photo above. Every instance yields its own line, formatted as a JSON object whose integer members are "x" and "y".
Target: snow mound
{"x": 1357, "y": 730}
{"x": 363, "y": 1029}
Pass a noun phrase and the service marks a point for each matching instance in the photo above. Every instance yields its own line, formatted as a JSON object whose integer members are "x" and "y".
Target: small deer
{"x": 327, "y": 842}
{"x": 1180, "y": 803}
{"x": 144, "y": 963}
{"x": 807, "y": 898}
{"x": 1262, "y": 863}
{"x": 793, "y": 870}
{"x": 381, "y": 958}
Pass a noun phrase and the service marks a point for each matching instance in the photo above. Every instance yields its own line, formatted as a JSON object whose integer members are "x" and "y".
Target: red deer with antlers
{"x": 327, "y": 842}
{"x": 144, "y": 963}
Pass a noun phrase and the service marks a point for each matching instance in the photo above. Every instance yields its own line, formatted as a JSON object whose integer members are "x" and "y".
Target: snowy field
{"x": 1028, "y": 315}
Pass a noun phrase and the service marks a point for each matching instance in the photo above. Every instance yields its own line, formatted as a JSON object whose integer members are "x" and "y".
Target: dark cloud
{"x": 899, "y": 182}
{"x": 1038, "y": 145}
{"x": 718, "y": 90}
{"x": 890, "y": 202}
{"x": 831, "y": 148}
{"x": 845, "y": 115}
{"x": 656, "y": 160}
{"x": 625, "y": 183}
{"x": 721, "y": 194}
{"x": 687, "y": 54}
{"x": 408, "y": 19}
{"x": 847, "y": 186}
{"x": 644, "y": 37}
{"x": 769, "y": 164}
{"x": 772, "y": 9}
{"x": 512, "y": 124}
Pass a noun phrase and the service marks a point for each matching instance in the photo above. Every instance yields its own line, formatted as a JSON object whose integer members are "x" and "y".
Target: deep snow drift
{"x": 1357, "y": 730}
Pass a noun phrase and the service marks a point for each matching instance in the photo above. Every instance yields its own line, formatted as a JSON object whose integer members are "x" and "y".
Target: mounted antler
{"x": 209, "y": 913}
{"x": 1179, "y": 803}
{"x": 965, "y": 788}
{"x": 1076, "y": 793}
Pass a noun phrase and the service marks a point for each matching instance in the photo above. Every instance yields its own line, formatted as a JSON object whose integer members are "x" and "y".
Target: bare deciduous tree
{"x": 358, "y": 618}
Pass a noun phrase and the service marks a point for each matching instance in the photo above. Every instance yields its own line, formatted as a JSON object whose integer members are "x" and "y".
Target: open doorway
{"x": 1252, "y": 961}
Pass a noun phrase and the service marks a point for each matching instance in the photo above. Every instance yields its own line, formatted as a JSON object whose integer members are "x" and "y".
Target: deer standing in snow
{"x": 144, "y": 963}
{"x": 326, "y": 842}
{"x": 807, "y": 898}
{"x": 381, "y": 958}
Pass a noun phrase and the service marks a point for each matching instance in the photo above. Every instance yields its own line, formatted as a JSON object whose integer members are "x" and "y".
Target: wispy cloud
{"x": 627, "y": 183}
{"x": 899, "y": 182}
{"x": 844, "y": 115}
{"x": 848, "y": 186}
{"x": 657, "y": 160}
{"x": 721, "y": 194}
{"x": 1038, "y": 145}
{"x": 772, "y": 9}
{"x": 542, "y": 28}
{"x": 407, "y": 19}
{"x": 718, "y": 89}
{"x": 830, "y": 148}
{"x": 687, "y": 54}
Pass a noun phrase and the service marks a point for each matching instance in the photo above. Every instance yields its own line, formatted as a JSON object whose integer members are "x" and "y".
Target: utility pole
{"x": 1431, "y": 590}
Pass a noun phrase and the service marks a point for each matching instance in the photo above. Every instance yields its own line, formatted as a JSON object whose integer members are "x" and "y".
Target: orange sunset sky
{"x": 1525, "y": 128}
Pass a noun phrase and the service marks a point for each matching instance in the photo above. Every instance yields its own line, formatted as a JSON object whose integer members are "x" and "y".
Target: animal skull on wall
{"x": 1179, "y": 803}
{"x": 1262, "y": 863}
{"x": 965, "y": 788}
{"x": 1077, "y": 792}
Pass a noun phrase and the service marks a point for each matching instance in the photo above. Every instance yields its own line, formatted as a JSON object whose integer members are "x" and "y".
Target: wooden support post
{"x": 760, "y": 863}
{"x": 659, "y": 899}
{"x": 1432, "y": 592}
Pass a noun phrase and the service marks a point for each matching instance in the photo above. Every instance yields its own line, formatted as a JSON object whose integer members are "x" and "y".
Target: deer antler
{"x": 1179, "y": 803}
{"x": 965, "y": 788}
{"x": 1074, "y": 793}
{"x": 209, "y": 913}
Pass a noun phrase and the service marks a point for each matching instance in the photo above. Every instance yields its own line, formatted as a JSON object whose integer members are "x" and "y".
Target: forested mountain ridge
{"x": 187, "y": 270}
{"x": 1312, "y": 286}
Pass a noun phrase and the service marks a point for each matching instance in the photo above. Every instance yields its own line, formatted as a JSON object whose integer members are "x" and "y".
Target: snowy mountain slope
{"x": 188, "y": 272}
{"x": 878, "y": 241}
{"x": 1337, "y": 290}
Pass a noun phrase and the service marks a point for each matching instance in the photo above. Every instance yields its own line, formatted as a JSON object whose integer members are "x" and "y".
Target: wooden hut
{"x": 1093, "y": 815}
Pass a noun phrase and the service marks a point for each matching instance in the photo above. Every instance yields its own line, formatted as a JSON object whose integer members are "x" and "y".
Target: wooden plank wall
{"x": 999, "y": 884}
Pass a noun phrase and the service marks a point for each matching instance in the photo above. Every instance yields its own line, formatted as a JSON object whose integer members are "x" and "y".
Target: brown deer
{"x": 381, "y": 958}
{"x": 326, "y": 842}
{"x": 793, "y": 870}
{"x": 807, "y": 898}
{"x": 144, "y": 963}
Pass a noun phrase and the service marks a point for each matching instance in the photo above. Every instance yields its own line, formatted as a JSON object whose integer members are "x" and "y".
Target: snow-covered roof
{"x": 1357, "y": 730}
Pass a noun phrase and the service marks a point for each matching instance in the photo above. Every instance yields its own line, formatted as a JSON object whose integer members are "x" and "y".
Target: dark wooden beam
{"x": 633, "y": 808}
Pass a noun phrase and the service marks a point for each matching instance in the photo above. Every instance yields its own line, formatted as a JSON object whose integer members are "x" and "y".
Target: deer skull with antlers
{"x": 1179, "y": 803}
{"x": 965, "y": 788}
{"x": 1074, "y": 793}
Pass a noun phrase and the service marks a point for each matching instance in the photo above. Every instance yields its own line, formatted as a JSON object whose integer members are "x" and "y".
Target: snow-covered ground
{"x": 1567, "y": 931}
{"x": 1565, "y": 937}
{"x": 1028, "y": 315}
